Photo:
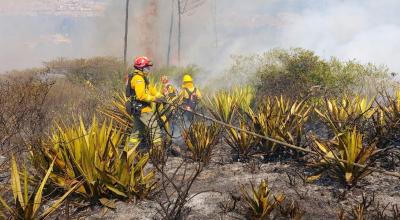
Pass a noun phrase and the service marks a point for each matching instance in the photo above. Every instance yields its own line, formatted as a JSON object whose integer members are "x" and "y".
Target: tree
{"x": 171, "y": 25}
{"x": 126, "y": 31}
{"x": 185, "y": 7}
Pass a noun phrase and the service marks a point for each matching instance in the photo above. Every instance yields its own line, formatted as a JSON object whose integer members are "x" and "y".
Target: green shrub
{"x": 294, "y": 72}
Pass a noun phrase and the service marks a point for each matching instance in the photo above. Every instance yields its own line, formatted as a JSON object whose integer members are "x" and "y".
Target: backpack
{"x": 129, "y": 92}
{"x": 133, "y": 106}
{"x": 191, "y": 102}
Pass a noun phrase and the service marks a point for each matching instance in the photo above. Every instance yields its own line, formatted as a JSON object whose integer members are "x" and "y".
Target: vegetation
{"x": 223, "y": 106}
{"x": 96, "y": 157}
{"x": 346, "y": 113}
{"x": 260, "y": 201}
{"x": 117, "y": 112}
{"x": 101, "y": 72}
{"x": 386, "y": 120}
{"x": 23, "y": 113}
{"x": 241, "y": 142}
{"x": 200, "y": 138}
{"x": 340, "y": 155}
{"x": 29, "y": 205}
{"x": 282, "y": 94}
{"x": 282, "y": 120}
{"x": 293, "y": 72}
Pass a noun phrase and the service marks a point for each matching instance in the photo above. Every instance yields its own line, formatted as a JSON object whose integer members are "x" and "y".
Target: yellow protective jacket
{"x": 144, "y": 92}
{"x": 169, "y": 91}
{"x": 190, "y": 87}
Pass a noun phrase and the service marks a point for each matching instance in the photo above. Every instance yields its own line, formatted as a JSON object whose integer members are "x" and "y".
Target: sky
{"x": 34, "y": 31}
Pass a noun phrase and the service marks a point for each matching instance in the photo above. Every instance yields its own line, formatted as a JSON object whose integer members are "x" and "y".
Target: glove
{"x": 160, "y": 100}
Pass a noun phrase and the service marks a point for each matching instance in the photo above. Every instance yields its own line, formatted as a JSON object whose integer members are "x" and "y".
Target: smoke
{"x": 368, "y": 31}
{"x": 365, "y": 30}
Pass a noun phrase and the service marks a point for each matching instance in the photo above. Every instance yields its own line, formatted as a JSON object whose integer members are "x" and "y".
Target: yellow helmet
{"x": 187, "y": 78}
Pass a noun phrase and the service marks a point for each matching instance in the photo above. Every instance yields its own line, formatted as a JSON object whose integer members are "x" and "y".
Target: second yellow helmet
{"x": 187, "y": 78}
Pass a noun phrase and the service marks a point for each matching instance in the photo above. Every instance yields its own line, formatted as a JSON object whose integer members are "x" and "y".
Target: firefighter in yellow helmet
{"x": 142, "y": 95}
{"x": 191, "y": 97}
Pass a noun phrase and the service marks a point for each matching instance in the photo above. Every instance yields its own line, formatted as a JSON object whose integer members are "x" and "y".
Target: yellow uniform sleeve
{"x": 142, "y": 93}
{"x": 154, "y": 92}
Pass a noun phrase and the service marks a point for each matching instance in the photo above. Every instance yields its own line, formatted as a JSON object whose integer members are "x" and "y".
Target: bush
{"x": 23, "y": 110}
{"x": 293, "y": 72}
{"x": 102, "y": 72}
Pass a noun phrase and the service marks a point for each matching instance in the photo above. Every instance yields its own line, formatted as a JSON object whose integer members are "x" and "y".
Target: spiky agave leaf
{"x": 261, "y": 202}
{"x": 343, "y": 113}
{"x": 96, "y": 156}
{"x": 116, "y": 110}
{"x": 200, "y": 138}
{"x": 223, "y": 106}
{"x": 349, "y": 148}
{"x": 281, "y": 119}
{"x": 242, "y": 142}
{"x": 28, "y": 205}
{"x": 244, "y": 96}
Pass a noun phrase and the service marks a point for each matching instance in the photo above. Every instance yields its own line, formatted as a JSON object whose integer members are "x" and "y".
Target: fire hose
{"x": 374, "y": 169}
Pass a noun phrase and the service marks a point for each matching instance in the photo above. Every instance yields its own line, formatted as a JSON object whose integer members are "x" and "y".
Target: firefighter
{"x": 169, "y": 90}
{"x": 191, "y": 97}
{"x": 142, "y": 96}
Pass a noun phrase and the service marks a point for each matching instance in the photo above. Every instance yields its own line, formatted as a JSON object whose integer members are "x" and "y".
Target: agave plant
{"x": 223, "y": 106}
{"x": 200, "y": 139}
{"x": 244, "y": 96}
{"x": 261, "y": 202}
{"x": 282, "y": 120}
{"x": 96, "y": 157}
{"x": 29, "y": 205}
{"x": 347, "y": 112}
{"x": 241, "y": 142}
{"x": 340, "y": 155}
{"x": 117, "y": 111}
{"x": 387, "y": 118}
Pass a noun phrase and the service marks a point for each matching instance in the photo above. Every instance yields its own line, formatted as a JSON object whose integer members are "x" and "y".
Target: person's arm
{"x": 154, "y": 92}
{"x": 139, "y": 85}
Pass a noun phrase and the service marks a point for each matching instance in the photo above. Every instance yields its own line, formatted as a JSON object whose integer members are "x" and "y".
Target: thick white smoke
{"x": 366, "y": 30}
